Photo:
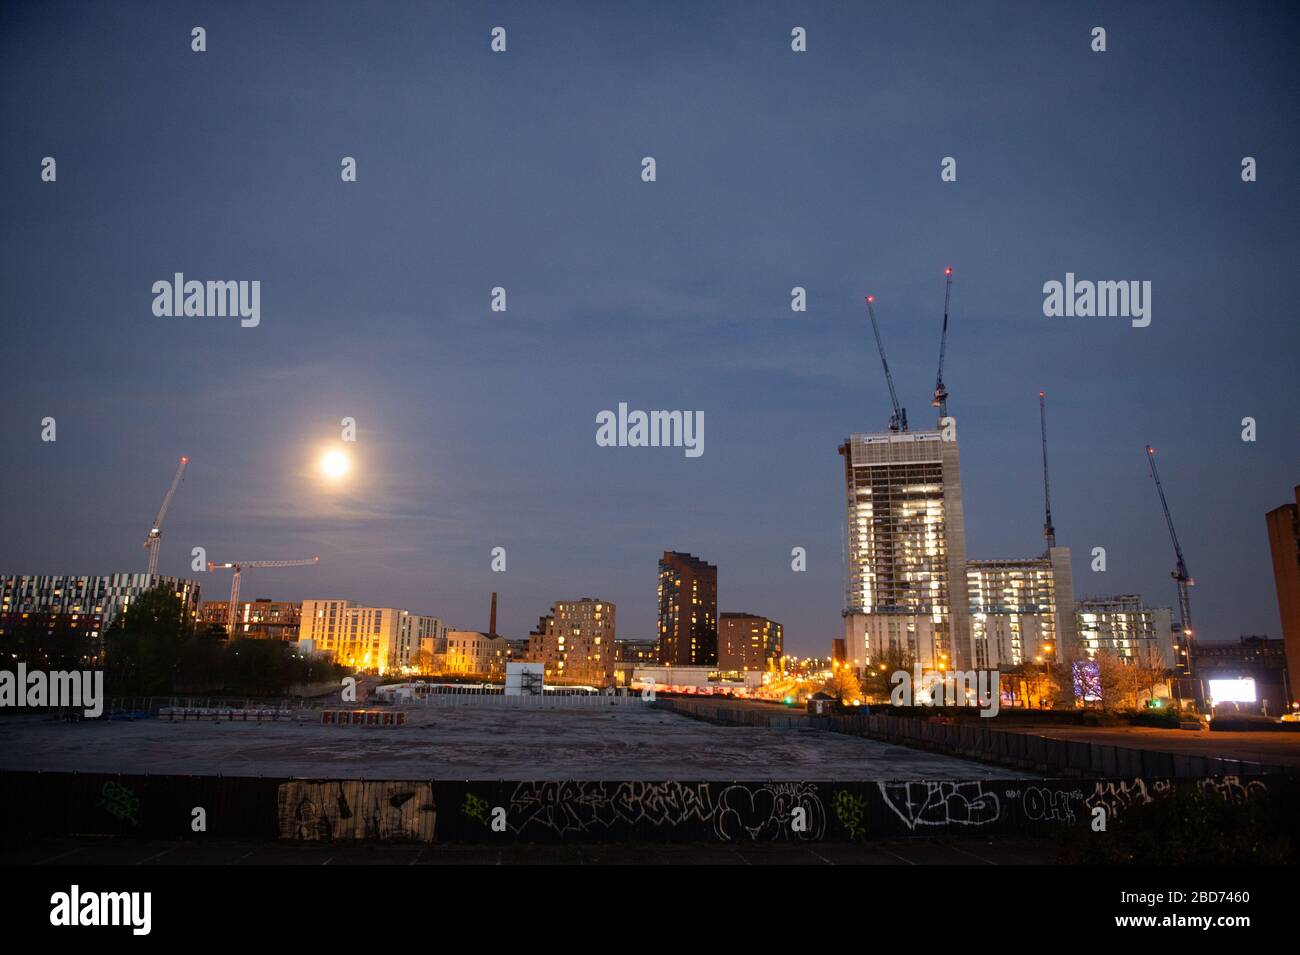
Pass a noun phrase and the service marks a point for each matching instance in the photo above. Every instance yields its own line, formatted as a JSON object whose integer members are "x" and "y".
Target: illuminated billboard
{"x": 1232, "y": 691}
{"x": 1087, "y": 681}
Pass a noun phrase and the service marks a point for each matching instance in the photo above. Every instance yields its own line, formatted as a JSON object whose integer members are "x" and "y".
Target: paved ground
{"x": 1263, "y": 747}
{"x": 108, "y": 851}
{"x": 478, "y": 742}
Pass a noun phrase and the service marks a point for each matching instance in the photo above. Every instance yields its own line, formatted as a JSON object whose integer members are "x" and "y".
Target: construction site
{"x": 912, "y": 593}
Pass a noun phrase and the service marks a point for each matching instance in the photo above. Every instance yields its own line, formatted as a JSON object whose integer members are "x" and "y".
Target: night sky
{"x": 775, "y": 169}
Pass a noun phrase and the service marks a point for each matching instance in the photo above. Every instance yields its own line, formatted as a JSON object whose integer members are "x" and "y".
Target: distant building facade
{"x": 630, "y": 654}
{"x": 1123, "y": 627}
{"x": 688, "y": 610}
{"x": 101, "y": 600}
{"x": 377, "y": 639}
{"x": 575, "y": 643}
{"x": 906, "y": 588}
{"x": 747, "y": 641}
{"x": 260, "y": 619}
{"x": 1022, "y": 611}
{"x": 472, "y": 652}
{"x": 1284, "y": 544}
{"x": 1254, "y": 658}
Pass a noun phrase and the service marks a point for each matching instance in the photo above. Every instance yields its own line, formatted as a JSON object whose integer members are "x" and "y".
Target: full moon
{"x": 335, "y": 464}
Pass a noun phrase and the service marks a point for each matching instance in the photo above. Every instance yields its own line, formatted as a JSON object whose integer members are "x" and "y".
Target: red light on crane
{"x": 947, "y": 271}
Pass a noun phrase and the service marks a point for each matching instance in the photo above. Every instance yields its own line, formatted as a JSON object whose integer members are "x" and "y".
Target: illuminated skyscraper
{"x": 906, "y": 541}
{"x": 688, "y": 611}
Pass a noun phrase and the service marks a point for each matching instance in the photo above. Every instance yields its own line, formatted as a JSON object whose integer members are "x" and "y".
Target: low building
{"x": 1251, "y": 673}
{"x": 260, "y": 619}
{"x": 747, "y": 641}
{"x": 693, "y": 679}
{"x": 629, "y": 654}
{"x": 524, "y": 678}
{"x": 472, "y": 652}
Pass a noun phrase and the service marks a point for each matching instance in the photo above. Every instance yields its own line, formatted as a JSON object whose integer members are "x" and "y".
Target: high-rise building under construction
{"x": 906, "y": 543}
{"x": 1022, "y": 611}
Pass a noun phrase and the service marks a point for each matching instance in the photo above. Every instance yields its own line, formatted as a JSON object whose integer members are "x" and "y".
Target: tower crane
{"x": 1048, "y": 530}
{"x": 152, "y": 541}
{"x": 898, "y": 421}
{"x": 1179, "y": 574}
{"x": 232, "y": 611}
{"x": 940, "y": 392}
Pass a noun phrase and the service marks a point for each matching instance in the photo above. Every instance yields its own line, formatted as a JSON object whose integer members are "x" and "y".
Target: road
{"x": 1279, "y": 748}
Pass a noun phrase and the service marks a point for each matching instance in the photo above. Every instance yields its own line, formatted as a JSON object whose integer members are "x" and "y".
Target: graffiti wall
{"x": 352, "y": 809}
{"x": 576, "y": 811}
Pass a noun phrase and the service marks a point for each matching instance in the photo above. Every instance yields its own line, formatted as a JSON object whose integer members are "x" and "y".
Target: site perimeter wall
{"x": 36, "y": 803}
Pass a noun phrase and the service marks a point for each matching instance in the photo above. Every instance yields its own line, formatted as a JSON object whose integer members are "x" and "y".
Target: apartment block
{"x": 747, "y": 641}
{"x": 105, "y": 597}
{"x": 688, "y": 610}
{"x": 260, "y": 619}
{"x": 375, "y": 639}
{"x": 575, "y": 643}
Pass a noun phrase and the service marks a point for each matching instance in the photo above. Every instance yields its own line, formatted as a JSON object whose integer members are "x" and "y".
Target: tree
{"x": 143, "y": 648}
{"x": 876, "y": 682}
{"x": 1118, "y": 684}
{"x": 1063, "y": 698}
{"x": 1039, "y": 684}
{"x": 1148, "y": 673}
{"x": 843, "y": 685}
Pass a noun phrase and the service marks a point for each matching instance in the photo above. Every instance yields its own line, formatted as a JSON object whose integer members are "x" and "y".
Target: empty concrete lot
{"x": 474, "y": 742}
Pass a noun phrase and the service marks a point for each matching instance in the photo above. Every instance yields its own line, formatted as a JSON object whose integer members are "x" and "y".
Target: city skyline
{"x": 476, "y": 429}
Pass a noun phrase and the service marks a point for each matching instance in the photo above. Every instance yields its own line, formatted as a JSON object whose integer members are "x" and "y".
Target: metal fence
{"x": 533, "y": 701}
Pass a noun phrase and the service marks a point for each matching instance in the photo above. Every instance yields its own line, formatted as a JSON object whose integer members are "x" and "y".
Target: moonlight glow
{"x": 335, "y": 464}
